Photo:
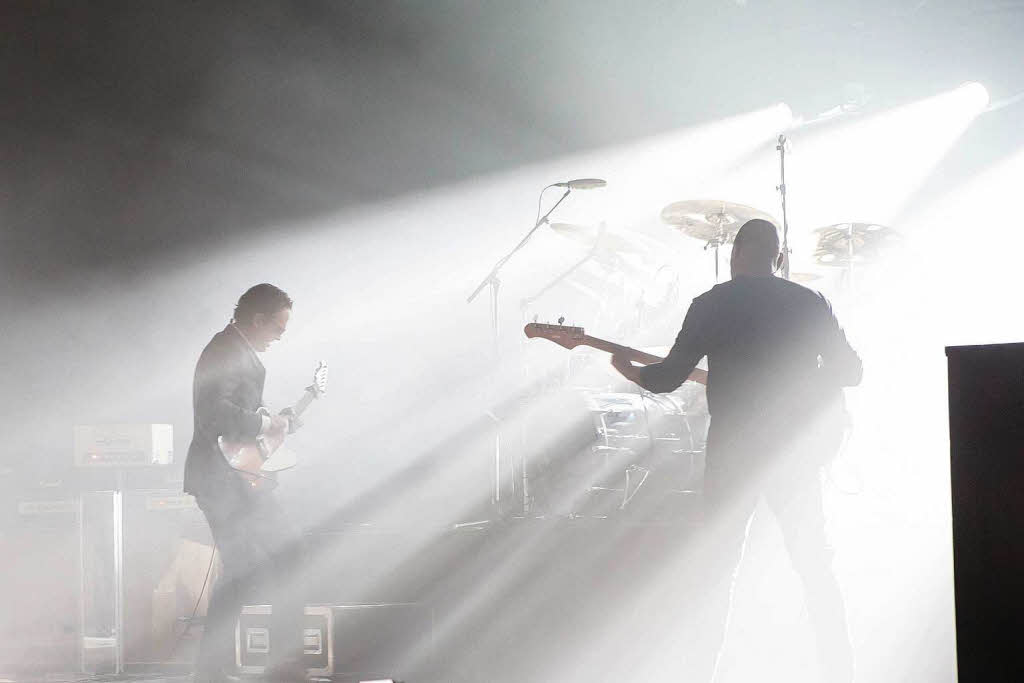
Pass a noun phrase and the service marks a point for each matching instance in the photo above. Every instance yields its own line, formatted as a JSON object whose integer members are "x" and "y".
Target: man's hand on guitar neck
{"x": 624, "y": 364}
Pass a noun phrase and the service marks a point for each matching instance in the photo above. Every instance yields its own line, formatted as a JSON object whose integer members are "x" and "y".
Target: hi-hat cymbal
{"x": 710, "y": 220}
{"x": 844, "y": 244}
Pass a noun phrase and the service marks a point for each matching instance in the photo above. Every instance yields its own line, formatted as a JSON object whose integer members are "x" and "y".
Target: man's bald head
{"x": 755, "y": 251}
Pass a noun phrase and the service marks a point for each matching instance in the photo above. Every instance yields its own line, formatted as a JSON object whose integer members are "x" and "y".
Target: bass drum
{"x": 632, "y": 454}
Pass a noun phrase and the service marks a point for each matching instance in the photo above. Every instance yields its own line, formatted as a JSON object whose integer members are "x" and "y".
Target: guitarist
{"x": 256, "y": 544}
{"x": 777, "y": 362}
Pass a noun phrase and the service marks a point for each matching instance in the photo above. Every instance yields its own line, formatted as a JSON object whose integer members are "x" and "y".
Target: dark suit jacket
{"x": 226, "y": 392}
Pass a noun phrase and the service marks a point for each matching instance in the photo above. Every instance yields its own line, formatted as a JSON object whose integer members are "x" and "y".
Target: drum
{"x": 625, "y": 447}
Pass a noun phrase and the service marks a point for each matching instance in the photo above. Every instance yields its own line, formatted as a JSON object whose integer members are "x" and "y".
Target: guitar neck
{"x": 613, "y": 348}
{"x": 303, "y": 402}
{"x": 697, "y": 375}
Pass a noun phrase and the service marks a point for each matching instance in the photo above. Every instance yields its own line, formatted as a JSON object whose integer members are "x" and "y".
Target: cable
{"x": 539, "y": 200}
{"x": 195, "y": 610}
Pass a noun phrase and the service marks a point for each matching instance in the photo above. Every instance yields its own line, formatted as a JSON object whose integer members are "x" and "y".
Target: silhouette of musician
{"x": 256, "y": 544}
{"x": 777, "y": 364}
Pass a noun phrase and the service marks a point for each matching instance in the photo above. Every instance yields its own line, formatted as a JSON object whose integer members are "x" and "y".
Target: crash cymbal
{"x": 710, "y": 220}
{"x": 844, "y": 244}
{"x": 597, "y": 236}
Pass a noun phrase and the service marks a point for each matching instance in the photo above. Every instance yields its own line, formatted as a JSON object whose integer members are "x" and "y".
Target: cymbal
{"x": 844, "y": 244}
{"x": 710, "y": 220}
{"x": 595, "y": 235}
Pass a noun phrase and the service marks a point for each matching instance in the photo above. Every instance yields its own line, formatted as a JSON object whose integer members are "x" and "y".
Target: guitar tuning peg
{"x": 561, "y": 319}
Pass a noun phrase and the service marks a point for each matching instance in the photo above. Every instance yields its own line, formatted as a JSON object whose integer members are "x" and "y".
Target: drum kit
{"x": 646, "y": 451}
{"x": 643, "y": 449}
{"x": 716, "y": 222}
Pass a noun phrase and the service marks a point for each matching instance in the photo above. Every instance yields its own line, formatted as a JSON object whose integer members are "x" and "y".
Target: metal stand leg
{"x": 102, "y": 579}
{"x": 118, "y": 511}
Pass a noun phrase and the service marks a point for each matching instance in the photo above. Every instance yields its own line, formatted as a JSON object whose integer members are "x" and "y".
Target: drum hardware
{"x": 598, "y": 237}
{"x": 526, "y": 302}
{"x": 632, "y": 489}
{"x": 632, "y": 442}
{"x": 610, "y": 252}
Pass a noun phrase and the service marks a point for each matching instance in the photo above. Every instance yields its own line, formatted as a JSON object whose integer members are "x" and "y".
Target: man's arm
{"x": 840, "y": 362}
{"x": 669, "y": 374}
{"x": 217, "y": 380}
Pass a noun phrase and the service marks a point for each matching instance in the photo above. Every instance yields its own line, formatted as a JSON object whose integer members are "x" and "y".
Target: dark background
{"x": 147, "y": 145}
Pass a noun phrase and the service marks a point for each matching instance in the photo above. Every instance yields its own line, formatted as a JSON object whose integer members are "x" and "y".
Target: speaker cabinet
{"x": 986, "y": 430}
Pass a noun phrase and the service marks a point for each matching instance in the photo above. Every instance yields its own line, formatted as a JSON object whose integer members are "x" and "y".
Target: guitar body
{"x": 247, "y": 458}
{"x": 254, "y": 459}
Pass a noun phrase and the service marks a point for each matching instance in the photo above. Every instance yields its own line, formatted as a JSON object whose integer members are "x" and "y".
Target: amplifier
{"x": 123, "y": 445}
{"x": 368, "y": 640}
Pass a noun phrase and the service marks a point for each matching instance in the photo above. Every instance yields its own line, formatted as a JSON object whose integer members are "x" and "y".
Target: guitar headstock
{"x": 563, "y": 335}
{"x": 319, "y": 385}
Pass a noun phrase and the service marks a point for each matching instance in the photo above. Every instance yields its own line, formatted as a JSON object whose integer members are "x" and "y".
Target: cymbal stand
{"x": 492, "y": 281}
{"x": 716, "y": 242}
{"x": 781, "y": 187}
{"x": 849, "y": 259}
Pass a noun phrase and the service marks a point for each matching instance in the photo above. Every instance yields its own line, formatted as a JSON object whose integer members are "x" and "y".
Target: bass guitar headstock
{"x": 563, "y": 335}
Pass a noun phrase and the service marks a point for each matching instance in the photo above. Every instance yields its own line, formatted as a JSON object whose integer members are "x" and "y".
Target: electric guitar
{"x": 259, "y": 460}
{"x": 571, "y": 337}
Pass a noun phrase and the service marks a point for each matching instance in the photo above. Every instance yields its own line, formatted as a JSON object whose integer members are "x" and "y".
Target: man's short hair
{"x": 759, "y": 234}
{"x": 263, "y": 298}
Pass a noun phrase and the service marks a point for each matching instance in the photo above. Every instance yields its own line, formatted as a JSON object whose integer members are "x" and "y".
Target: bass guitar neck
{"x": 618, "y": 349}
{"x": 570, "y": 337}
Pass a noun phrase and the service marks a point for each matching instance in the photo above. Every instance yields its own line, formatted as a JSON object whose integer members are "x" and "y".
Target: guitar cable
{"x": 195, "y": 610}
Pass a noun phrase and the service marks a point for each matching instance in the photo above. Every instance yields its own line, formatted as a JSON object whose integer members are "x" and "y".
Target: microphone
{"x": 582, "y": 184}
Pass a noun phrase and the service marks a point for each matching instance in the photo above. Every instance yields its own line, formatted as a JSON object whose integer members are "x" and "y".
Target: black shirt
{"x": 776, "y": 357}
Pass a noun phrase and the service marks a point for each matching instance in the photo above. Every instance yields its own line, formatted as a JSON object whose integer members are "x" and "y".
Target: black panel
{"x": 986, "y": 415}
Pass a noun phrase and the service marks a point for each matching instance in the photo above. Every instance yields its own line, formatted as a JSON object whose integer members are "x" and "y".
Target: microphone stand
{"x": 781, "y": 187}
{"x": 492, "y": 281}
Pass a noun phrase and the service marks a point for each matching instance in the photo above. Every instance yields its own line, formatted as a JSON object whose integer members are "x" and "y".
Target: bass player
{"x": 777, "y": 363}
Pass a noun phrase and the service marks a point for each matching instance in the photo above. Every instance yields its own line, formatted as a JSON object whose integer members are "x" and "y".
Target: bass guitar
{"x": 259, "y": 460}
{"x": 571, "y": 337}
